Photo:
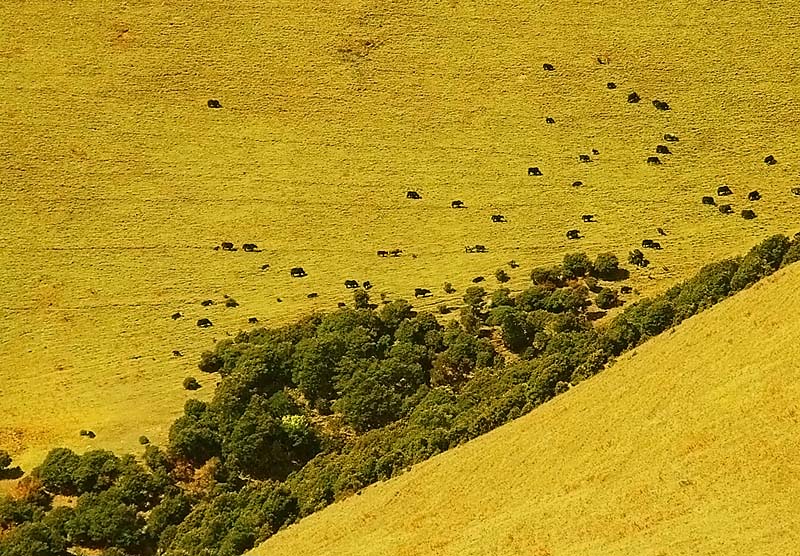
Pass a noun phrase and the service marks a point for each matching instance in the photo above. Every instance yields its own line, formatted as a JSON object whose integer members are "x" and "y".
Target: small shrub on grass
{"x": 190, "y": 383}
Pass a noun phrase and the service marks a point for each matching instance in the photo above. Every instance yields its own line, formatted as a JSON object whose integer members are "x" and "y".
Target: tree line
{"x": 312, "y": 412}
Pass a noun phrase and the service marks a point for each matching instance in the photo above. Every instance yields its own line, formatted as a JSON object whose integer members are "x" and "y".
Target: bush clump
{"x": 190, "y": 383}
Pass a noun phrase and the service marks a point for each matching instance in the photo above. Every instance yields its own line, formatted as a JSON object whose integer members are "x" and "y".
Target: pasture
{"x": 118, "y": 179}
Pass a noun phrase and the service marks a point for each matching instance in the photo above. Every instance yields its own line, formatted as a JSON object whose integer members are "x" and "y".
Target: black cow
{"x": 481, "y": 249}
{"x": 312, "y": 295}
{"x": 548, "y": 67}
{"x": 661, "y": 231}
{"x": 513, "y": 264}
{"x": 647, "y": 243}
{"x": 413, "y": 195}
{"x": 214, "y": 103}
{"x": 796, "y": 191}
{"x": 723, "y": 190}
{"x": 265, "y": 266}
{"x": 670, "y": 137}
{"x": 626, "y": 289}
{"x": 176, "y": 316}
{"x": 549, "y": 120}
{"x": 770, "y": 160}
{"x": 458, "y": 204}
{"x": 595, "y": 152}
{"x": 588, "y": 217}
{"x": 478, "y": 279}
{"x": 297, "y": 272}
{"x": 726, "y": 209}
{"x": 207, "y": 302}
{"x": 748, "y": 214}
{"x": 498, "y": 218}
{"x": 421, "y": 292}
{"x": 176, "y": 353}
{"x": 216, "y": 248}
{"x": 350, "y": 284}
{"x": 660, "y": 105}
{"x": 663, "y": 149}
{"x": 573, "y": 234}
{"x": 227, "y": 246}
{"x": 633, "y": 98}
{"x": 754, "y": 196}
{"x": 655, "y": 245}
{"x": 584, "y": 158}
{"x": 341, "y": 305}
{"x": 249, "y": 247}
{"x": 534, "y": 171}
{"x": 653, "y": 160}
{"x": 611, "y": 85}
{"x": 709, "y": 201}
{"x": 204, "y": 323}
{"x": 252, "y": 320}
{"x": 396, "y": 252}
{"x": 382, "y": 253}
{"x": 577, "y": 183}
{"x": 366, "y": 285}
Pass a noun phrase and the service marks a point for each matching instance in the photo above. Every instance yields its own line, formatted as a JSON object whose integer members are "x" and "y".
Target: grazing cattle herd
{"x": 636, "y": 256}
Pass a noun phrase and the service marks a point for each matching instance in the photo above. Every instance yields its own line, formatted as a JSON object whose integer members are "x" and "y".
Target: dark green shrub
{"x": 576, "y": 265}
{"x": 104, "y": 520}
{"x": 361, "y": 299}
{"x": 502, "y": 276}
{"x": 33, "y": 539}
{"x": 474, "y": 296}
{"x": 144, "y": 441}
{"x": 57, "y": 471}
{"x": 636, "y": 257}
{"x": 5, "y": 460}
{"x": 210, "y": 362}
{"x": 448, "y": 288}
{"x": 606, "y": 299}
{"x": 606, "y": 266}
{"x": 551, "y": 276}
{"x": 190, "y": 383}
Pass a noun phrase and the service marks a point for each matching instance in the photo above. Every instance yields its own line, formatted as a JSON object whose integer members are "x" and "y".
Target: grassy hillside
{"x": 117, "y": 180}
{"x": 686, "y": 446}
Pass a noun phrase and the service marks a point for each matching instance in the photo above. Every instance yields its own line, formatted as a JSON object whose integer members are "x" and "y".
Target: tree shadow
{"x": 11, "y": 473}
{"x": 592, "y": 316}
{"x": 619, "y": 275}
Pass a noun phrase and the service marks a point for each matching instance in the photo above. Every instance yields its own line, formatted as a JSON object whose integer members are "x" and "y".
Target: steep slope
{"x": 117, "y": 179}
{"x": 688, "y": 445}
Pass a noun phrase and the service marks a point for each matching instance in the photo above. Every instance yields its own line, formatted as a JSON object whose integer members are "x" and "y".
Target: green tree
{"x": 551, "y": 277}
{"x": 606, "y": 299}
{"x": 606, "y": 266}
{"x": 502, "y": 276}
{"x": 104, "y": 520}
{"x": 57, "y": 471}
{"x": 361, "y": 299}
{"x": 576, "y": 265}
{"x": 33, "y": 539}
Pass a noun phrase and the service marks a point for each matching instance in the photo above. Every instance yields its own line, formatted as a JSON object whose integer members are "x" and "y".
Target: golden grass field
{"x": 688, "y": 445}
{"x": 117, "y": 180}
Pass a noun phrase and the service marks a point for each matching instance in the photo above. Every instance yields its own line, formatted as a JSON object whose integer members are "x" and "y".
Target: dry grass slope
{"x": 687, "y": 446}
{"x": 117, "y": 179}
